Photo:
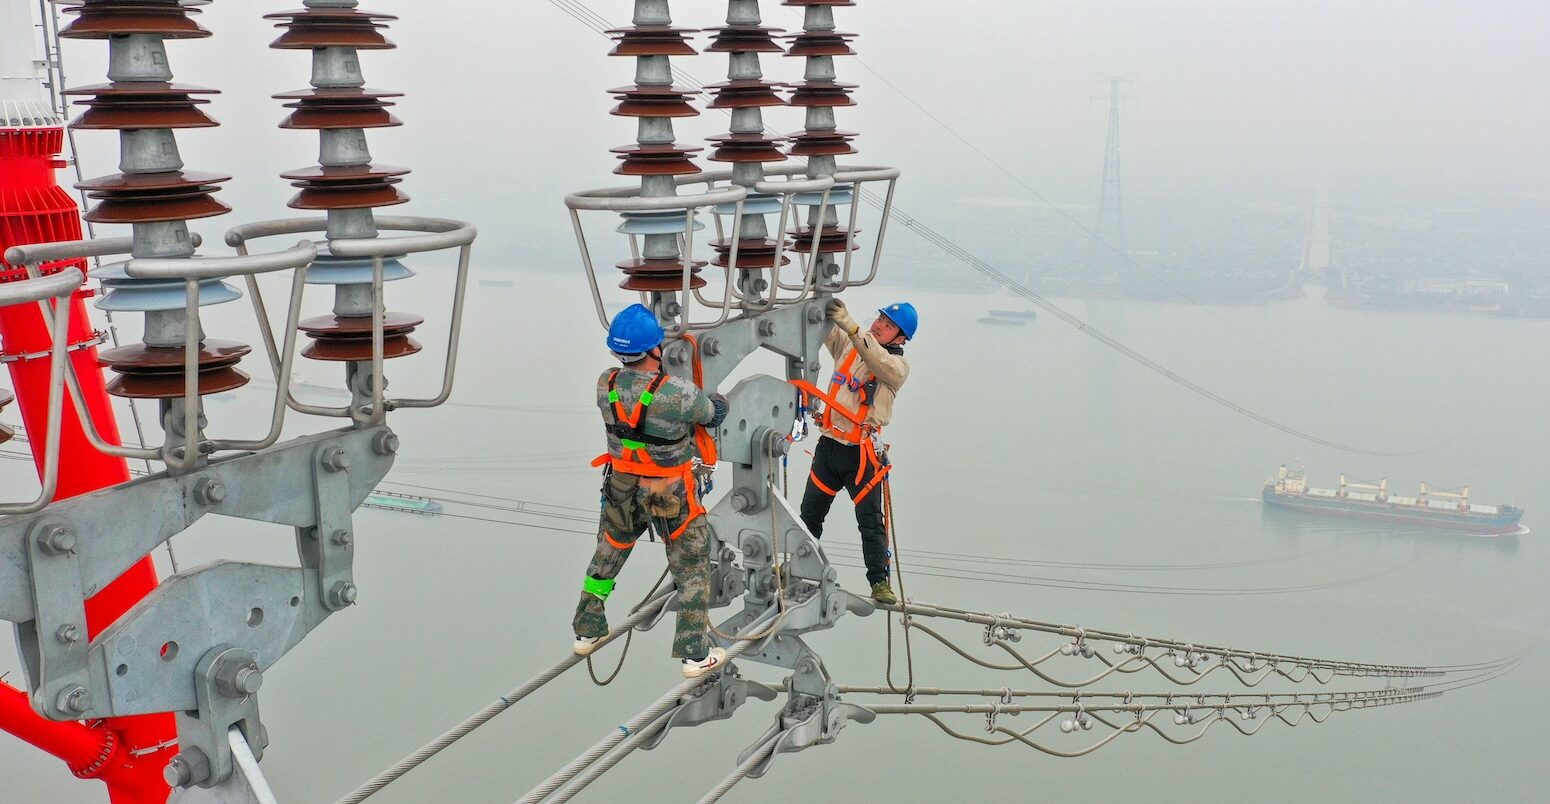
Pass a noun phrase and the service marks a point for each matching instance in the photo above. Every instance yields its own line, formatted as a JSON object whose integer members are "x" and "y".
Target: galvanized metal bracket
{"x": 51, "y": 561}
{"x": 226, "y": 684}
{"x": 716, "y": 700}
{"x": 56, "y": 644}
{"x": 813, "y": 715}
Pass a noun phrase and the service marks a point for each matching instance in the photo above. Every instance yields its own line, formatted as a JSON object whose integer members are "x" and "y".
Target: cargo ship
{"x": 1448, "y": 509}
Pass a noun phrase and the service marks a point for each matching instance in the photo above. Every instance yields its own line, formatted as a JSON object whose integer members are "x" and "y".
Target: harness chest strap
{"x": 636, "y": 460}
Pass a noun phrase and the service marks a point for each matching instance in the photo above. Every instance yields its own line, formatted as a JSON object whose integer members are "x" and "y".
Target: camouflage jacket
{"x": 676, "y": 406}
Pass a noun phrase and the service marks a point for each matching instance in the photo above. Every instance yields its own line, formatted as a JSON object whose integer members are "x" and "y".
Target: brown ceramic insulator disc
{"x": 831, "y": 239}
{"x": 652, "y": 40}
{"x": 152, "y": 197}
{"x": 333, "y": 195}
{"x": 341, "y": 338}
{"x": 821, "y": 93}
{"x": 156, "y": 372}
{"x": 6, "y": 433}
{"x": 655, "y": 274}
{"x": 348, "y": 174}
{"x": 655, "y": 160}
{"x": 744, "y": 39}
{"x": 746, "y": 148}
{"x": 339, "y": 108}
{"x": 752, "y": 254}
{"x": 745, "y": 93}
{"x": 822, "y": 143}
{"x": 141, "y": 104}
{"x": 171, "y": 181}
{"x": 835, "y": 3}
{"x": 653, "y": 101}
{"x": 102, "y": 19}
{"x": 821, "y": 43}
{"x": 6, "y": 398}
{"x": 310, "y": 28}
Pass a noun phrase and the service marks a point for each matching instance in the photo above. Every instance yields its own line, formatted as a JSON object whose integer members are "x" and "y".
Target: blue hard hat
{"x": 904, "y": 317}
{"x": 634, "y": 331}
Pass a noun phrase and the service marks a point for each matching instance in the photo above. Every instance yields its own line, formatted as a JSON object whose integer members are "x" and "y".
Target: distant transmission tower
{"x": 1106, "y": 251}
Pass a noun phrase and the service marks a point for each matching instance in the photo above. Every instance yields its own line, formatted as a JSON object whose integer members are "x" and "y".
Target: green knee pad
{"x": 599, "y": 588}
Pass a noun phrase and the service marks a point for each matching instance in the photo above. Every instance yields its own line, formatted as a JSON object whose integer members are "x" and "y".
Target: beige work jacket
{"x": 873, "y": 361}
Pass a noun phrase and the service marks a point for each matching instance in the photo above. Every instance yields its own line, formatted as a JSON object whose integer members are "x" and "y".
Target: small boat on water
{"x": 999, "y": 321}
{"x": 1024, "y": 315}
{"x": 1448, "y": 509}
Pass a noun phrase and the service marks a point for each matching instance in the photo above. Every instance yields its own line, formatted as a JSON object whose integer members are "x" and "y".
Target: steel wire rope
{"x": 1013, "y": 286}
{"x": 904, "y": 614}
{"x": 738, "y": 774}
{"x": 485, "y": 715}
{"x": 634, "y": 726}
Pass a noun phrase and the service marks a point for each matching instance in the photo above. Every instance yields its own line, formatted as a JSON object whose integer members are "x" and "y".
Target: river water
{"x": 1031, "y": 443}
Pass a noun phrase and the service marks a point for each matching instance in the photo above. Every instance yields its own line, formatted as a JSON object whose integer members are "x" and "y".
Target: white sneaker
{"x": 695, "y": 669}
{"x": 585, "y": 645}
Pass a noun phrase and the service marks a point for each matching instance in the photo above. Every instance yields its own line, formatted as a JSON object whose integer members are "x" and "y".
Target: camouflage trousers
{"x": 630, "y": 505}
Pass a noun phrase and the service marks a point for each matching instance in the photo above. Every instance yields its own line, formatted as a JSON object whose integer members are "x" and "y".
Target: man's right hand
{"x": 841, "y": 317}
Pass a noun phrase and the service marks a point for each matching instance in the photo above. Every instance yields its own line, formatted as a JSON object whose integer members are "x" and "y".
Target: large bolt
{"x": 335, "y": 459}
{"x": 814, "y": 366}
{"x": 342, "y": 537}
{"x": 210, "y": 492}
{"x": 675, "y": 356}
{"x": 57, "y": 540}
{"x": 711, "y": 346}
{"x": 766, "y": 328}
{"x": 68, "y": 634}
{"x": 343, "y": 594}
{"x": 247, "y": 680}
{"x": 742, "y": 501}
{"x": 815, "y": 314}
{"x": 74, "y": 700}
{"x": 186, "y": 769}
{"x": 386, "y": 443}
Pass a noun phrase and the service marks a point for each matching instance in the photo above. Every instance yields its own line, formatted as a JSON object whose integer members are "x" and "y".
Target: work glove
{"x": 841, "y": 317}
{"x": 722, "y": 406}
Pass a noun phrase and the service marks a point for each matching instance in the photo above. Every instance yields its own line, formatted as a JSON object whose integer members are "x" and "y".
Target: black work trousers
{"x": 837, "y": 466}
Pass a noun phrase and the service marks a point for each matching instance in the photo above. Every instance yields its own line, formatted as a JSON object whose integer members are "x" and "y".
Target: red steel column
{"x": 34, "y": 209}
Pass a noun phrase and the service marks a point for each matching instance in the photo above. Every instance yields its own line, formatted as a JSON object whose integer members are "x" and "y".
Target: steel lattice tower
{"x": 1107, "y": 249}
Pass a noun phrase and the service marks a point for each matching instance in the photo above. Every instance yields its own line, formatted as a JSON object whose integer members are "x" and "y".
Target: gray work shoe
{"x": 882, "y": 592}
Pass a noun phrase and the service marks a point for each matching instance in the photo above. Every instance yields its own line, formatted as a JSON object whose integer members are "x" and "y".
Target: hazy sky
{"x": 1430, "y": 103}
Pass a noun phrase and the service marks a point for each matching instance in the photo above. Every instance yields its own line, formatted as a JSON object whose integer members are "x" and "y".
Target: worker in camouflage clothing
{"x": 651, "y": 420}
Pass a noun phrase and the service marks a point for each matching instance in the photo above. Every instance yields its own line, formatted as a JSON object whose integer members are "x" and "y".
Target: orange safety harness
{"x": 859, "y": 432}
{"x": 633, "y": 440}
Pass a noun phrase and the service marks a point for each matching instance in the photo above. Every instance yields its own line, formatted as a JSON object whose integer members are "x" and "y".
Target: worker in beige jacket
{"x": 869, "y": 370}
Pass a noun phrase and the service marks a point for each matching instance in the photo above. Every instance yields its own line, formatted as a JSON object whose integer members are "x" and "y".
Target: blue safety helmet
{"x": 904, "y": 317}
{"x": 634, "y": 331}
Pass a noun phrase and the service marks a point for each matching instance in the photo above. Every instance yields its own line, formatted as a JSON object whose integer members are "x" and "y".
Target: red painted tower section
{"x": 130, "y": 752}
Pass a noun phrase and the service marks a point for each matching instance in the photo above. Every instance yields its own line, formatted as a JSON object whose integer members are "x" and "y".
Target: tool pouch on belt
{"x": 619, "y": 502}
{"x": 664, "y": 497}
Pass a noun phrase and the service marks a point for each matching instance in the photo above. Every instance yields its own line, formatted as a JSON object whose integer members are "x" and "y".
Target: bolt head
{"x": 815, "y": 315}
{"x": 766, "y": 328}
{"x": 210, "y": 492}
{"x": 342, "y": 537}
{"x": 336, "y": 460}
{"x": 177, "y": 773}
{"x": 741, "y": 501}
{"x": 711, "y": 346}
{"x": 68, "y": 634}
{"x": 57, "y": 540}
{"x": 248, "y": 680}
{"x": 343, "y": 594}
{"x": 75, "y": 700}
{"x": 385, "y": 444}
